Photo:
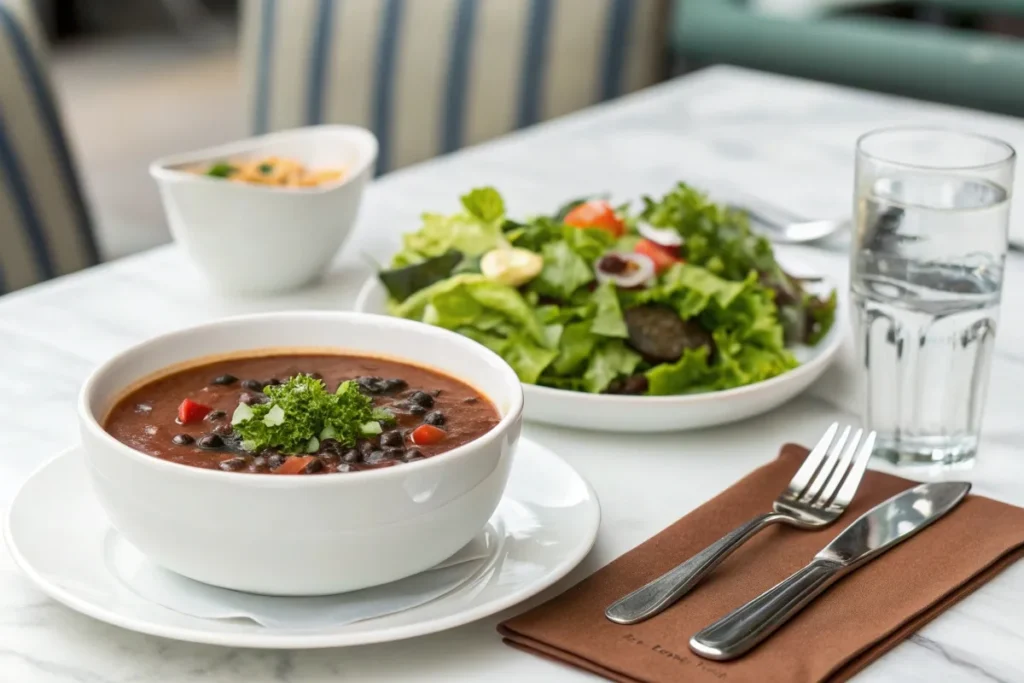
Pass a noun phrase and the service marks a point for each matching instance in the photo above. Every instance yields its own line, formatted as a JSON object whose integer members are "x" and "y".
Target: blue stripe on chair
{"x": 458, "y": 74}
{"x": 23, "y": 203}
{"x": 533, "y": 62}
{"x": 318, "y": 62}
{"x": 48, "y": 112}
{"x": 383, "y": 94}
{"x": 617, "y": 34}
{"x": 268, "y": 15}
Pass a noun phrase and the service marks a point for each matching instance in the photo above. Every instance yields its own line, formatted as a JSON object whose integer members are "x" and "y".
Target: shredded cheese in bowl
{"x": 276, "y": 171}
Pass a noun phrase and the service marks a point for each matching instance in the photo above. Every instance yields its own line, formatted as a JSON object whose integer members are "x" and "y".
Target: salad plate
{"x": 58, "y": 534}
{"x": 670, "y": 317}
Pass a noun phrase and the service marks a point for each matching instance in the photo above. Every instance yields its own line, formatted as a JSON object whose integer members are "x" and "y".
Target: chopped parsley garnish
{"x": 221, "y": 170}
{"x": 265, "y": 169}
{"x": 301, "y": 412}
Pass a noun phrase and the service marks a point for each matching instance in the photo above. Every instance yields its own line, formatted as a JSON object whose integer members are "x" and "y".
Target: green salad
{"x": 677, "y": 296}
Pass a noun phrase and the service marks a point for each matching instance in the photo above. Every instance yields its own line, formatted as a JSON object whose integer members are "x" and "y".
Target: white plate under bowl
{"x": 616, "y": 413}
{"x": 545, "y": 525}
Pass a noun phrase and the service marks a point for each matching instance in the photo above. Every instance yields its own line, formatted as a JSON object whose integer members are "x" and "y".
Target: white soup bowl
{"x": 301, "y": 535}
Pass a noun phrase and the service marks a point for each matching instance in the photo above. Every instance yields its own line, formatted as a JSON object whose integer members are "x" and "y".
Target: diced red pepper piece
{"x": 189, "y": 411}
{"x": 295, "y": 464}
{"x": 425, "y": 435}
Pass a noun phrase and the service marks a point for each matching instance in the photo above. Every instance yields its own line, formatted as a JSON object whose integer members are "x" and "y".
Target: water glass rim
{"x": 1009, "y": 158}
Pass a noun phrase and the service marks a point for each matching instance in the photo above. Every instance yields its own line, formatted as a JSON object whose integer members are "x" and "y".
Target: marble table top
{"x": 792, "y": 140}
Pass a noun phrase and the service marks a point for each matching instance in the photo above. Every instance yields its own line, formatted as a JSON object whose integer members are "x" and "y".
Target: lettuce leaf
{"x": 611, "y": 359}
{"x": 474, "y": 231}
{"x": 608, "y": 319}
{"x": 459, "y": 300}
{"x": 564, "y": 271}
{"x": 526, "y": 358}
{"x": 575, "y": 347}
{"x": 717, "y": 238}
{"x": 690, "y": 374}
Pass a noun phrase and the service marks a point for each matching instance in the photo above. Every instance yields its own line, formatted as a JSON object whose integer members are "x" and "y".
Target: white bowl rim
{"x": 823, "y": 355}
{"x": 163, "y": 168}
{"x": 91, "y": 423}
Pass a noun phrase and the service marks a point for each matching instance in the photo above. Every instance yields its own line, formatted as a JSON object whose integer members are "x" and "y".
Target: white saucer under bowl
{"x": 545, "y": 525}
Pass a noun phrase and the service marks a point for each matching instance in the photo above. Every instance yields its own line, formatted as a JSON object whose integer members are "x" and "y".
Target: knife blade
{"x": 880, "y": 528}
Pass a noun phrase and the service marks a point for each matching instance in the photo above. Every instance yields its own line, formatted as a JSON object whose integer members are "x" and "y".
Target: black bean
{"x": 470, "y": 399}
{"x": 233, "y": 464}
{"x": 273, "y": 382}
{"x": 215, "y": 415}
{"x": 417, "y": 409}
{"x": 275, "y": 461}
{"x": 249, "y": 398}
{"x": 315, "y": 375}
{"x": 375, "y": 458}
{"x": 393, "y": 438}
{"x": 394, "y": 384}
{"x": 331, "y": 446}
{"x": 421, "y": 398}
{"x": 183, "y": 440}
{"x": 314, "y": 465}
{"x": 223, "y": 429}
{"x": 259, "y": 461}
{"x": 371, "y": 385}
{"x": 252, "y": 384}
{"x": 224, "y": 380}
{"x": 412, "y": 455}
{"x": 351, "y": 456}
{"x": 211, "y": 442}
{"x": 365, "y": 447}
{"x": 434, "y": 417}
{"x": 394, "y": 453}
{"x": 342, "y": 468}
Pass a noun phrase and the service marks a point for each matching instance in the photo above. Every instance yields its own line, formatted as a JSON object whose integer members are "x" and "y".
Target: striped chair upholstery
{"x": 429, "y": 76}
{"x": 44, "y": 226}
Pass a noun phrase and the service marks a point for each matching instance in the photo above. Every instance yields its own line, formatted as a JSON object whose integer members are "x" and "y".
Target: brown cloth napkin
{"x": 845, "y": 629}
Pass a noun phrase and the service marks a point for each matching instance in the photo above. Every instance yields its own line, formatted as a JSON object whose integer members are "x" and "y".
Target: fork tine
{"x": 842, "y": 469}
{"x": 849, "y": 487}
{"x": 814, "y": 490}
{"x": 798, "y": 484}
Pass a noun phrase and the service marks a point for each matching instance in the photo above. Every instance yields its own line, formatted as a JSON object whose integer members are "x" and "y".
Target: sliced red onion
{"x": 626, "y": 270}
{"x": 666, "y": 237}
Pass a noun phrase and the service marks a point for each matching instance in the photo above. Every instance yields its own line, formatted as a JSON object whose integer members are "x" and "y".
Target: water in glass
{"x": 926, "y": 279}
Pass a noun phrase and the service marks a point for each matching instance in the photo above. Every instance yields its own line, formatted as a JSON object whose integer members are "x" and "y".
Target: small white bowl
{"x": 257, "y": 239}
{"x": 302, "y": 535}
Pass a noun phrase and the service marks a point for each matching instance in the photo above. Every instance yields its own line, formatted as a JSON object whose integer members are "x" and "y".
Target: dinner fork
{"x": 817, "y": 495}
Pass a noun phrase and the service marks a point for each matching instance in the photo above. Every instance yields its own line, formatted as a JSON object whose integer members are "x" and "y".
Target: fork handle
{"x": 743, "y": 628}
{"x": 664, "y": 591}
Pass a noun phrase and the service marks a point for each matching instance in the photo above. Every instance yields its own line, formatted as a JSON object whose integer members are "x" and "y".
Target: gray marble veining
{"x": 789, "y": 141}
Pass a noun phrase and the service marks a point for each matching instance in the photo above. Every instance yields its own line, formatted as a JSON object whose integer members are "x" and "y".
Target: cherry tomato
{"x": 189, "y": 411}
{"x": 596, "y": 214}
{"x": 424, "y": 435}
{"x": 663, "y": 257}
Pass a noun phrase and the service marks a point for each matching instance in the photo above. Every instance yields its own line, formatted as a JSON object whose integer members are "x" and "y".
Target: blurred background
{"x": 133, "y": 80}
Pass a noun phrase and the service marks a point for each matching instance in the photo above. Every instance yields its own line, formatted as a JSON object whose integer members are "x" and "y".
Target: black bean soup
{"x": 186, "y": 417}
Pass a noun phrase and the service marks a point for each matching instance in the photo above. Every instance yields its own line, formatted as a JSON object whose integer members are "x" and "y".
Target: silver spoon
{"x": 794, "y": 230}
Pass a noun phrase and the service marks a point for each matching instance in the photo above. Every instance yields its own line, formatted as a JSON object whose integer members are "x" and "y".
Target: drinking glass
{"x": 932, "y": 212}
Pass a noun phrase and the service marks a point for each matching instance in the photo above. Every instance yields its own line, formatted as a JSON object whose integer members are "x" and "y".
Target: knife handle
{"x": 742, "y": 629}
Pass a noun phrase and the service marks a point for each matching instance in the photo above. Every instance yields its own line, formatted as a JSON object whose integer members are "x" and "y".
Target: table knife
{"x": 874, "y": 532}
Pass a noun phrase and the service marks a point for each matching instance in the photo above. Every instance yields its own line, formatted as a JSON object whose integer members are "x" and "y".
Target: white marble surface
{"x": 792, "y": 140}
